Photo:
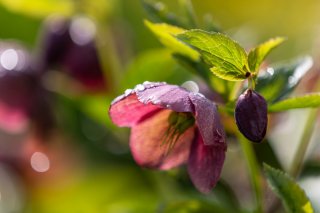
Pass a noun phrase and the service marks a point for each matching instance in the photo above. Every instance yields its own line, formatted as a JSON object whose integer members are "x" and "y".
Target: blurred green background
{"x": 89, "y": 166}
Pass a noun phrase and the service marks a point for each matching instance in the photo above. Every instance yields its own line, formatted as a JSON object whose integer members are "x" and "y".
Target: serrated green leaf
{"x": 291, "y": 194}
{"x": 258, "y": 54}
{"x": 38, "y": 8}
{"x": 307, "y": 101}
{"x": 166, "y": 33}
{"x": 228, "y": 58}
{"x": 276, "y": 83}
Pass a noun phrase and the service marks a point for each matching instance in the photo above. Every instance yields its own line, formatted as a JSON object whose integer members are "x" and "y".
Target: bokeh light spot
{"x": 40, "y": 162}
{"x": 82, "y": 30}
{"x": 9, "y": 59}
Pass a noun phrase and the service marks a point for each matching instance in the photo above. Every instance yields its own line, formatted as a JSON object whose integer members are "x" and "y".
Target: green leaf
{"x": 307, "y": 101}
{"x": 258, "y": 54}
{"x": 292, "y": 196}
{"x": 41, "y": 8}
{"x": 276, "y": 83}
{"x": 228, "y": 58}
{"x": 166, "y": 33}
{"x": 193, "y": 206}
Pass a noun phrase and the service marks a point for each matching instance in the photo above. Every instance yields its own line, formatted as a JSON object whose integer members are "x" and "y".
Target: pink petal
{"x": 129, "y": 111}
{"x": 146, "y": 143}
{"x": 205, "y": 164}
{"x": 208, "y": 120}
{"x": 13, "y": 120}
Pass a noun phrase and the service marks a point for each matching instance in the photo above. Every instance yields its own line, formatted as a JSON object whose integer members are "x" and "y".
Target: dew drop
{"x": 199, "y": 94}
{"x": 119, "y": 98}
{"x": 191, "y": 86}
{"x": 128, "y": 92}
{"x": 139, "y": 87}
{"x": 146, "y": 83}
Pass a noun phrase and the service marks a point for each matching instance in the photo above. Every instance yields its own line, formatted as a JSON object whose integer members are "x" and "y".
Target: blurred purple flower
{"x": 170, "y": 126}
{"x": 70, "y": 45}
{"x": 22, "y": 97}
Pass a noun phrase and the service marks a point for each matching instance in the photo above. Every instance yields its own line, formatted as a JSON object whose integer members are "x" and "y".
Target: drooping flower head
{"x": 170, "y": 126}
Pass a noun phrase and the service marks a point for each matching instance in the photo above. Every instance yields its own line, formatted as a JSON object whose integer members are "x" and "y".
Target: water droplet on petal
{"x": 140, "y": 87}
{"x": 119, "y": 98}
{"x": 199, "y": 94}
{"x": 191, "y": 86}
{"x": 128, "y": 92}
{"x": 156, "y": 102}
{"x": 146, "y": 83}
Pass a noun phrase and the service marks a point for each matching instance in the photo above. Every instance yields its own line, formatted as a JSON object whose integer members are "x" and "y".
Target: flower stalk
{"x": 253, "y": 171}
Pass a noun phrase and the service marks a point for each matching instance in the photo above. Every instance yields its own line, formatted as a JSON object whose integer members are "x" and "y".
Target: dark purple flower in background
{"x": 70, "y": 45}
{"x": 170, "y": 126}
{"x": 23, "y": 100}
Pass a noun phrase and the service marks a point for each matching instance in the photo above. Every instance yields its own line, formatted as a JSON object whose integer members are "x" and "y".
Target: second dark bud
{"x": 251, "y": 115}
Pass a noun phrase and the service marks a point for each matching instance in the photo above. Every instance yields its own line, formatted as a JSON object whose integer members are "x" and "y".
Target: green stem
{"x": 109, "y": 57}
{"x": 254, "y": 173}
{"x": 297, "y": 163}
{"x": 251, "y": 82}
{"x": 236, "y": 90}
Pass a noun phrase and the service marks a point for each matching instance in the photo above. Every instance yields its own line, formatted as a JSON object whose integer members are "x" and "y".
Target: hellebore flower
{"x": 170, "y": 126}
{"x": 70, "y": 45}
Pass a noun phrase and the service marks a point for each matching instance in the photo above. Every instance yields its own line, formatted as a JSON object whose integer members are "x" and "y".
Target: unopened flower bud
{"x": 251, "y": 115}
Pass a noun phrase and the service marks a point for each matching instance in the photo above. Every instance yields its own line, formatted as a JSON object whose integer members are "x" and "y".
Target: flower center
{"x": 179, "y": 122}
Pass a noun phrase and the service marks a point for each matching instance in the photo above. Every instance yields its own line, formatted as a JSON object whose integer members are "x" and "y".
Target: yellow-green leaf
{"x": 39, "y": 8}
{"x": 290, "y": 193}
{"x": 308, "y": 101}
{"x": 258, "y": 54}
{"x": 227, "y": 58}
{"x": 166, "y": 33}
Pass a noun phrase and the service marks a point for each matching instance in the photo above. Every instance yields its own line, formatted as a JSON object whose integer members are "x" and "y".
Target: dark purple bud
{"x": 251, "y": 115}
{"x": 82, "y": 63}
{"x": 70, "y": 44}
{"x": 55, "y": 41}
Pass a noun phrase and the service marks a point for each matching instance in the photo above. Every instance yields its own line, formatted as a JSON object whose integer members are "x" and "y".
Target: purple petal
{"x": 167, "y": 96}
{"x": 148, "y": 149}
{"x": 205, "y": 164}
{"x": 180, "y": 100}
{"x": 129, "y": 111}
{"x": 208, "y": 120}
